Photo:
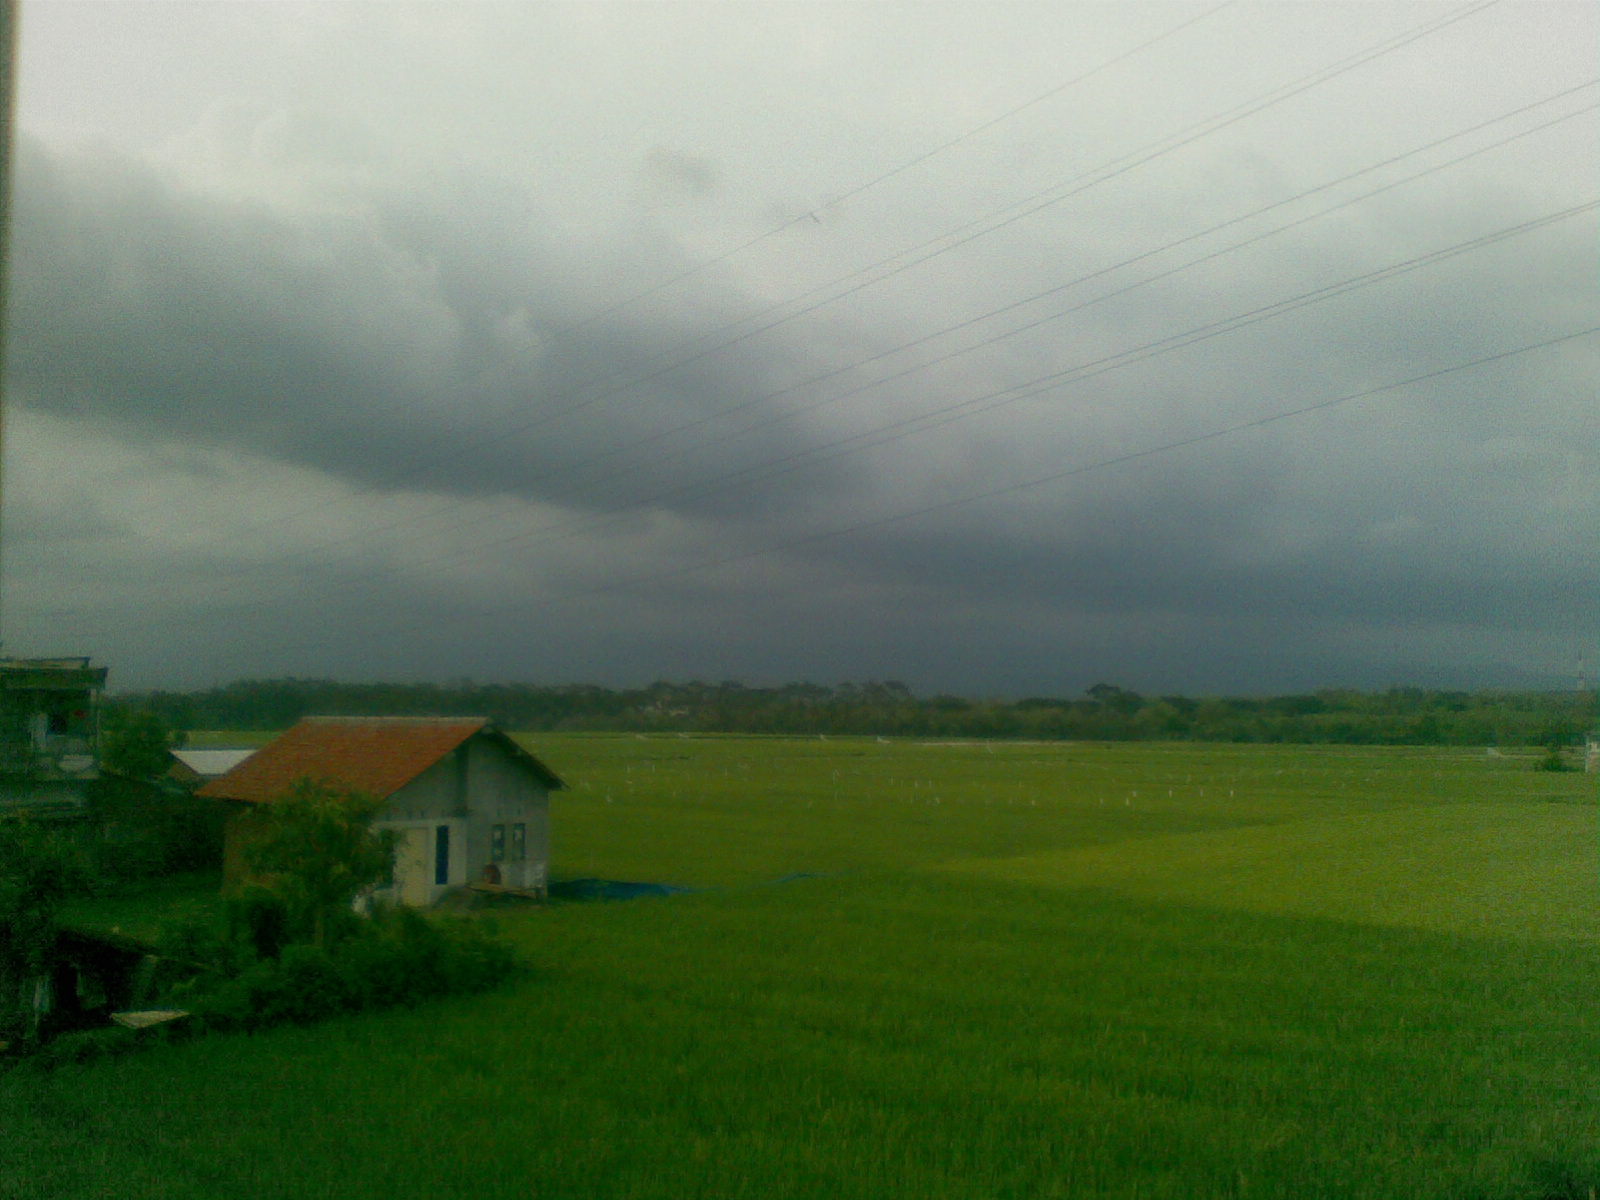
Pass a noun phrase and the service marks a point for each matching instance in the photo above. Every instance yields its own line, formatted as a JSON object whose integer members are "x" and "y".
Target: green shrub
{"x": 1553, "y": 760}
{"x": 141, "y": 830}
{"x": 258, "y": 919}
{"x": 400, "y": 957}
{"x": 200, "y": 942}
{"x": 39, "y": 869}
{"x": 316, "y": 850}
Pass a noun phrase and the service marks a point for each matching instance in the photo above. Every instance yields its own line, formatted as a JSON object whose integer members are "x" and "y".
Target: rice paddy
{"x": 1015, "y": 970}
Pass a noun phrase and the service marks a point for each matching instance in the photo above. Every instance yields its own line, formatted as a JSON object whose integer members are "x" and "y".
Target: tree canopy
{"x": 136, "y": 742}
{"x": 1105, "y": 711}
{"x": 316, "y": 851}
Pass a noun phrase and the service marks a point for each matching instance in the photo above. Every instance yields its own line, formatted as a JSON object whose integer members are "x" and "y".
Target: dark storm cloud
{"x": 315, "y": 333}
{"x": 393, "y": 343}
{"x": 419, "y": 340}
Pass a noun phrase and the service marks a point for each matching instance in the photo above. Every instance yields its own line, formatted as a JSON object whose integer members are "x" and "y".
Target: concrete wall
{"x": 480, "y": 786}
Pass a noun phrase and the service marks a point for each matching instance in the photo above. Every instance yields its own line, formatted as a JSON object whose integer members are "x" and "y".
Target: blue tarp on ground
{"x": 611, "y": 889}
{"x": 622, "y": 889}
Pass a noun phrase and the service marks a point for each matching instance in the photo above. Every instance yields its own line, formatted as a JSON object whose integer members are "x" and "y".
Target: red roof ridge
{"x": 373, "y": 755}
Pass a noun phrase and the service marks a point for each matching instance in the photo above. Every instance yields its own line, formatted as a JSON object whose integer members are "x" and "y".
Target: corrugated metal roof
{"x": 374, "y": 755}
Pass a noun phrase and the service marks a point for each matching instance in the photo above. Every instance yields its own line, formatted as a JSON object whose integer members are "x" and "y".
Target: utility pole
{"x": 8, "y": 94}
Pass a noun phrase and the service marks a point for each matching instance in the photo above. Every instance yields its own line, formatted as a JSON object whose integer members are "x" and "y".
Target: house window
{"x": 519, "y": 842}
{"x": 497, "y": 843}
{"x": 441, "y": 855}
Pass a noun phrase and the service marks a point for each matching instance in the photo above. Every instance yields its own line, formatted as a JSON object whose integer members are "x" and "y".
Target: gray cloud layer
{"x": 291, "y": 396}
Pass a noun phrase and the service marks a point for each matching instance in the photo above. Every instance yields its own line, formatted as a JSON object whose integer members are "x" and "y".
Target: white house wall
{"x": 504, "y": 793}
{"x": 499, "y": 790}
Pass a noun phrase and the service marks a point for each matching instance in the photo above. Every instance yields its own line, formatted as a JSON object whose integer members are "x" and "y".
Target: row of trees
{"x": 1398, "y": 716}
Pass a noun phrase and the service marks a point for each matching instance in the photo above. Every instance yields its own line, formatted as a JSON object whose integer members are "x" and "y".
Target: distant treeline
{"x": 1398, "y": 716}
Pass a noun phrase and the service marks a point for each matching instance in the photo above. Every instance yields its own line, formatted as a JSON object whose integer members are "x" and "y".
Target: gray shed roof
{"x": 209, "y": 764}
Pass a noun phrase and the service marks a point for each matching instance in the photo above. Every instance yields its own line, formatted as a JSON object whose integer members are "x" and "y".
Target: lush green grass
{"x": 1496, "y": 869}
{"x": 1019, "y": 979}
{"x": 740, "y": 810}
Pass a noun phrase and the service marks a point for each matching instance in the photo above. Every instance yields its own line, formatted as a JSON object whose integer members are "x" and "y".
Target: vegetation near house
{"x": 290, "y": 945}
{"x": 316, "y": 851}
{"x": 141, "y": 829}
{"x": 137, "y": 743}
{"x": 39, "y": 870}
{"x": 294, "y": 947}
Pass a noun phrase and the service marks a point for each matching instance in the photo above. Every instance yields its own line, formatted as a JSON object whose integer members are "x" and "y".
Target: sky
{"x": 1001, "y": 349}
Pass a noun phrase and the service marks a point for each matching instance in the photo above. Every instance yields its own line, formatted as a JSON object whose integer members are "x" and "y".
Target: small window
{"x": 519, "y": 842}
{"x": 497, "y": 844}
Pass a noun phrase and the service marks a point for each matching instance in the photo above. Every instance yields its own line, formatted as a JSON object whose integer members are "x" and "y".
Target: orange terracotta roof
{"x": 374, "y": 755}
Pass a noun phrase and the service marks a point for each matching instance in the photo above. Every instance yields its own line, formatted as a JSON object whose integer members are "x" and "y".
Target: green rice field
{"x": 944, "y": 970}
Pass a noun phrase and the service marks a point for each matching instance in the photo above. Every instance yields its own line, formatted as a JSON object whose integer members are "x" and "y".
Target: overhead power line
{"x": 897, "y": 264}
{"x": 903, "y": 167}
{"x": 413, "y": 470}
{"x": 929, "y": 420}
{"x": 939, "y": 417}
{"x": 529, "y": 604}
{"x": 1097, "y": 464}
{"x": 650, "y": 442}
{"x": 790, "y": 414}
{"x": 416, "y": 468}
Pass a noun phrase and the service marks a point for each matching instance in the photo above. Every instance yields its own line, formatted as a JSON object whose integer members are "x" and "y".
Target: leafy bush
{"x": 141, "y": 830}
{"x": 1554, "y": 760}
{"x": 136, "y": 743}
{"x": 258, "y": 919}
{"x": 315, "y": 849}
{"x": 38, "y": 871}
{"x": 292, "y": 950}
{"x": 400, "y": 958}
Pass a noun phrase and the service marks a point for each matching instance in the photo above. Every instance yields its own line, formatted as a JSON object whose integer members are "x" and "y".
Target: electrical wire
{"x": 939, "y": 417}
{"x": 900, "y": 169}
{"x": 1124, "y": 163}
{"x": 926, "y": 251}
{"x": 526, "y": 604}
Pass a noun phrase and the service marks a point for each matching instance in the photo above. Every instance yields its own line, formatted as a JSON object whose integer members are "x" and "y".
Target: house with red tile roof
{"x": 468, "y": 803}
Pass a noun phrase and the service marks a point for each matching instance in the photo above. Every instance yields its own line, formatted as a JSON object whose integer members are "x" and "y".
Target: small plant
{"x": 1554, "y": 759}
{"x": 258, "y": 921}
